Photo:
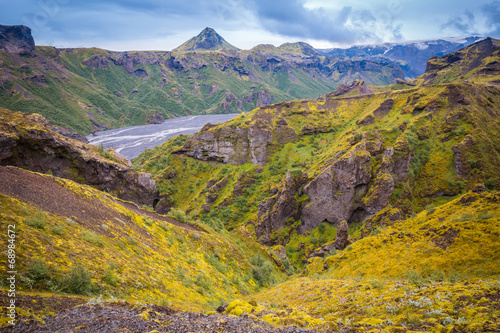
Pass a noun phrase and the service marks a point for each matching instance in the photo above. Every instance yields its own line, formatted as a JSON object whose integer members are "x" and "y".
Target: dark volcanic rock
{"x": 16, "y": 39}
{"x": 479, "y": 188}
{"x": 281, "y": 209}
{"x": 356, "y": 87}
{"x": 342, "y": 238}
{"x": 332, "y": 193}
{"x": 462, "y": 150}
{"x": 123, "y": 317}
{"x": 96, "y": 62}
{"x": 27, "y": 142}
{"x": 164, "y": 206}
{"x": 68, "y": 133}
{"x": 239, "y": 145}
{"x": 384, "y": 108}
{"x": 156, "y": 118}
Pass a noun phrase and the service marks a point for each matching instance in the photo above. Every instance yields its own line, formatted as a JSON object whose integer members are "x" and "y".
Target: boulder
{"x": 342, "y": 238}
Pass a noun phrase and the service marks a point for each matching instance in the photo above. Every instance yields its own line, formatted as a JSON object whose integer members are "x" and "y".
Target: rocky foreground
{"x": 123, "y": 317}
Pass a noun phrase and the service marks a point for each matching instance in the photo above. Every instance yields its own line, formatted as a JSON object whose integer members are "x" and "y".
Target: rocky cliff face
{"x": 480, "y": 58}
{"x": 348, "y": 188}
{"x": 281, "y": 210}
{"x": 27, "y": 142}
{"x": 252, "y": 143}
{"x": 16, "y": 39}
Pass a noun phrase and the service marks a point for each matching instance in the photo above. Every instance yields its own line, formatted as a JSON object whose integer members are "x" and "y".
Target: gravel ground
{"x": 122, "y": 317}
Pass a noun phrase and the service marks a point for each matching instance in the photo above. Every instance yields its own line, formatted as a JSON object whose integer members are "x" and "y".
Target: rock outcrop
{"x": 16, "y": 39}
{"x": 333, "y": 193}
{"x": 357, "y": 87}
{"x": 27, "y": 141}
{"x": 342, "y": 237}
{"x": 155, "y": 118}
{"x": 238, "y": 145}
{"x": 280, "y": 210}
{"x": 346, "y": 189}
{"x": 68, "y": 133}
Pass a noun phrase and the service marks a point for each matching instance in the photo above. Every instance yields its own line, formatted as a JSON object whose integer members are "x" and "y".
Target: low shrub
{"x": 37, "y": 220}
{"x": 178, "y": 214}
{"x": 37, "y": 270}
{"x": 92, "y": 238}
{"x": 79, "y": 281}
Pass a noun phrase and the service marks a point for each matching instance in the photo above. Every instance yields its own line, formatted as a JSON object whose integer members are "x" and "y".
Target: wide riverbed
{"x": 131, "y": 141}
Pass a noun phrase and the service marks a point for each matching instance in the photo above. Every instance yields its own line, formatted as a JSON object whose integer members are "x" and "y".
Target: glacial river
{"x": 131, "y": 141}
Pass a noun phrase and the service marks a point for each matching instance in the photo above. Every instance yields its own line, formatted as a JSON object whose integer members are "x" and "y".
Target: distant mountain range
{"x": 415, "y": 54}
{"x": 90, "y": 89}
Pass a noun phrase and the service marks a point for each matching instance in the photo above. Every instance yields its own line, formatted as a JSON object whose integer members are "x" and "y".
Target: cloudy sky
{"x": 165, "y": 24}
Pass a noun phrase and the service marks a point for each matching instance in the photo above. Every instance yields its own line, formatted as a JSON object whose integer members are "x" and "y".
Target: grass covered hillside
{"x": 437, "y": 271}
{"x": 74, "y": 239}
{"x": 478, "y": 62}
{"x": 369, "y": 209}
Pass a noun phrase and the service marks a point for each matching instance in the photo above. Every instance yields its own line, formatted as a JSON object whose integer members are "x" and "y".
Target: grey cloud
{"x": 92, "y": 21}
{"x": 347, "y": 25}
{"x": 291, "y": 18}
{"x": 462, "y": 23}
{"x": 492, "y": 13}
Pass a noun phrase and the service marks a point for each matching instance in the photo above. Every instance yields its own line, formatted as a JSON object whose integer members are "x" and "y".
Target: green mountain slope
{"x": 475, "y": 63}
{"x": 91, "y": 89}
{"x": 130, "y": 253}
{"x": 416, "y": 147}
{"x": 384, "y": 200}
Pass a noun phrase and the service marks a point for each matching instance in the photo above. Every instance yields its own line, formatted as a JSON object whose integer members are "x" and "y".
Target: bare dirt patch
{"x": 45, "y": 193}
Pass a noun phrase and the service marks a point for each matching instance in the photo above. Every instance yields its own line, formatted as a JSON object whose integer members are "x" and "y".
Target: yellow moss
{"x": 239, "y": 307}
{"x": 314, "y": 266}
{"x": 271, "y": 319}
{"x": 145, "y": 315}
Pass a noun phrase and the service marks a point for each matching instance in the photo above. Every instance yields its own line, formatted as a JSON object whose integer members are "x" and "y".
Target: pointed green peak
{"x": 207, "y": 40}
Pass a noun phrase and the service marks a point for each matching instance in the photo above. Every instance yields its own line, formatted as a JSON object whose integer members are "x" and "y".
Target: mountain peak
{"x": 298, "y": 47}
{"x": 208, "y": 32}
{"x": 207, "y": 40}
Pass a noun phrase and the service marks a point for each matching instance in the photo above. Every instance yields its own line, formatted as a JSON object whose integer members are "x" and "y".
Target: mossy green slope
{"x": 446, "y": 133}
